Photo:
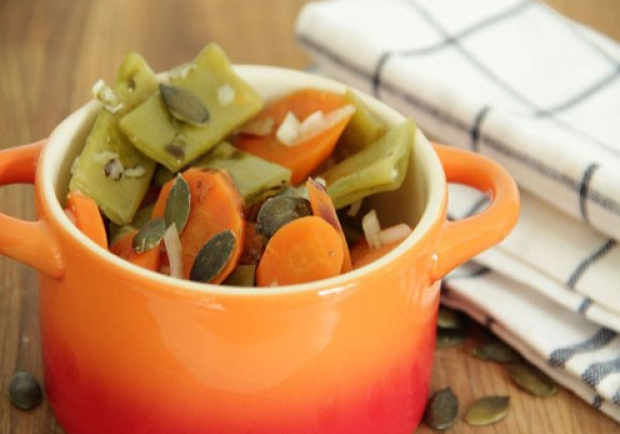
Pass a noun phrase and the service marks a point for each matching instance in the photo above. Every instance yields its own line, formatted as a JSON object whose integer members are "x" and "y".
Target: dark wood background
{"x": 51, "y": 53}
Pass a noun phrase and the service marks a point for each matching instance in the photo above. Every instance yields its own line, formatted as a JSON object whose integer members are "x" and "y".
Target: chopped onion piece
{"x": 106, "y": 96}
{"x": 313, "y": 122}
{"x": 259, "y": 127}
{"x": 317, "y": 125}
{"x": 288, "y": 133}
{"x": 173, "y": 248}
{"x": 354, "y": 208}
{"x": 226, "y": 94}
{"x": 135, "y": 172}
{"x": 370, "y": 224}
{"x": 105, "y": 156}
{"x": 394, "y": 234}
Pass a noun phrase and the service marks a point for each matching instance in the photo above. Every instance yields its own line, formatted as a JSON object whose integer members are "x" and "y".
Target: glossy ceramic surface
{"x": 129, "y": 351}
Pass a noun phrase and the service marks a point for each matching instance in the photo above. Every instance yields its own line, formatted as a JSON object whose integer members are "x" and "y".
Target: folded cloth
{"x": 511, "y": 79}
{"x": 539, "y": 93}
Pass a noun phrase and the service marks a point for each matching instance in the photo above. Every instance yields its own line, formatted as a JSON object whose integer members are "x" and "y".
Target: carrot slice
{"x": 362, "y": 254}
{"x": 216, "y": 205}
{"x": 322, "y": 206}
{"x": 87, "y": 217}
{"x": 302, "y": 158}
{"x": 150, "y": 259}
{"x": 303, "y": 250}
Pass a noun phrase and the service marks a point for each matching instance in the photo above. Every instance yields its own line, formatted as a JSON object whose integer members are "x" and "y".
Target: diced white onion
{"x": 259, "y": 127}
{"x": 372, "y": 228}
{"x": 317, "y": 125}
{"x": 288, "y": 133}
{"x": 226, "y": 94}
{"x": 106, "y": 96}
{"x": 173, "y": 248}
{"x": 312, "y": 123}
{"x": 354, "y": 208}
{"x": 105, "y": 156}
{"x": 394, "y": 234}
{"x": 135, "y": 172}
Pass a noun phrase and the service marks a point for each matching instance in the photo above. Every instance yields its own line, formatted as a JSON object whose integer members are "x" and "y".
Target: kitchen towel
{"x": 513, "y": 80}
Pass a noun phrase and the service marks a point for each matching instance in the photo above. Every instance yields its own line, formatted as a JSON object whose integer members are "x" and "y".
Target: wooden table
{"x": 52, "y": 51}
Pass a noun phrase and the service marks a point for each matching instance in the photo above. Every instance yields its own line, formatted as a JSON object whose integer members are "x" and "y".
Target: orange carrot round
{"x": 322, "y": 206}
{"x": 216, "y": 205}
{"x": 304, "y": 250}
{"x": 123, "y": 247}
{"x": 86, "y": 216}
{"x": 302, "y": 158}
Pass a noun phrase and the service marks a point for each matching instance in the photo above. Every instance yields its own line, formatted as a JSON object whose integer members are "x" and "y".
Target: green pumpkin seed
{"x": 530, "y": 379}
{"x": 442, "y": 410}
{"x": 24, "y": 391}
{"x": 184, "y": 105}
{"x": 450, "y": 337}
{"x": 496, "y": 351}
{"x": 488, "y": 410}
{"x": 242, "y": 276}
{"x": 150, "y": 235}
{"x": 280, "y": 210}
{"x": 178, "y": 204}
{"x": 213, "y": 257}
{"x": 448, "y": 318}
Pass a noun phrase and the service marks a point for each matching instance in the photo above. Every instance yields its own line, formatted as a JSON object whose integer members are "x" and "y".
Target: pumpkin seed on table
{"x": 184, "y": 105}
{"x": 447, "y": 337}
{"x": 149, "y": 235}
{"x": 448, "y": 318}
{"x": 442, "y": 410}
{"x": 178, "y": 204}
{"x": 213, "y": 257}
{"x": 24, "y": 391}
{"x": 496, "y": 351}
{"x": 530, "y": 379}
{"x": 280, "y": 210}
{"x": 488, "y": 410}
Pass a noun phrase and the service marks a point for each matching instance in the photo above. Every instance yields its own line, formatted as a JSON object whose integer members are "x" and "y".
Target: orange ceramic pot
{"x": 130, "y": 351}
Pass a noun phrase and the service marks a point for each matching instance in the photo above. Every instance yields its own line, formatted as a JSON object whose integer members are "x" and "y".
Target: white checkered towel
{"x": 513, "y": 80}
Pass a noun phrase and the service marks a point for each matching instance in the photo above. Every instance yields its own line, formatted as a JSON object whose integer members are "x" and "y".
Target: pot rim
{"x": 53, "y": 157}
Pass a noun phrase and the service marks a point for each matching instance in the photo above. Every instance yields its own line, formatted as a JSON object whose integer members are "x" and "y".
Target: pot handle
{"x": 463, "y": 239}
{"x": 30, "y": 242}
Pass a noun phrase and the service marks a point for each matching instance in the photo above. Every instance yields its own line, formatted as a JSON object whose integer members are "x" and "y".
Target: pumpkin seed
{"x": 488, "y": 410}
{"x": 24, "y": 391}
{"x": 442, "y": 410}
{"x": 496, "y": 351}
{"x": 242, "y": 276}
{"x": 530, "y": 379}
{"x": 448, "y": 318}
{"x": 178, "y": 204}
{"x": 184, "y": 105}
{"x": 213, "y": 257}
{"x": 449, "y": 337}
{"x": 176, "y": 148}
{"x": 280, "y": 210}
{"x": 149, "y": 235}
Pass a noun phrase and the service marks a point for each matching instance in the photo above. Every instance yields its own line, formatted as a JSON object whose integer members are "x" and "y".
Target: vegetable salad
{"x": 194, "y": 176}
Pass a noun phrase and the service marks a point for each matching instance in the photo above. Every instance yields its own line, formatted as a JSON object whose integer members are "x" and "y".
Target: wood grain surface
{"x": 52, "y": 51}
